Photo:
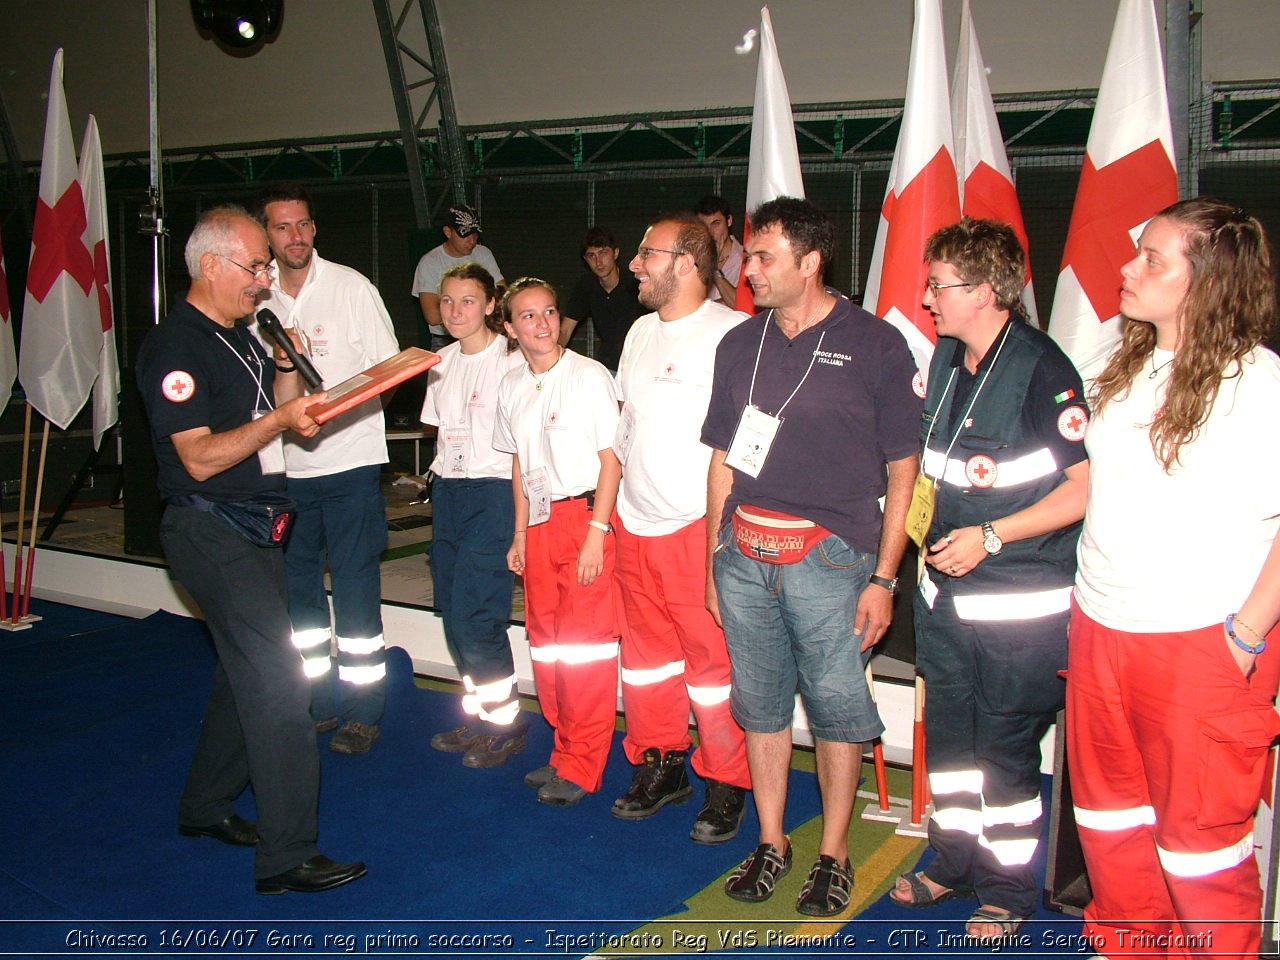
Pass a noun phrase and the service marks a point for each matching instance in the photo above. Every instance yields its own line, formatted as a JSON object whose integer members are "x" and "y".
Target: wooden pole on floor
{"x": 35, "y": 523}
{"x": 22, "y": 515}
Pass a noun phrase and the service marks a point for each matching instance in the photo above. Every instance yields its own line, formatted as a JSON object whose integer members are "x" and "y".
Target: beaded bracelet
{"x": 1229, "y": 623}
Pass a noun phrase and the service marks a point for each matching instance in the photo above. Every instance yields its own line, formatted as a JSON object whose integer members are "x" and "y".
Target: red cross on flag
{"x": 1129, "y": 175}
{"x": 986, "y": 182}
{"x": 106, "y": 389}
{"x": 61, "y": 335}
{"x": 8, "y": 357}
{"x": 923, "y": 194}
{"x": 773, "y": 169}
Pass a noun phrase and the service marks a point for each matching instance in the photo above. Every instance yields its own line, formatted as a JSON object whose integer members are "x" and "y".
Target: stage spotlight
{"x": 239, "y": 24}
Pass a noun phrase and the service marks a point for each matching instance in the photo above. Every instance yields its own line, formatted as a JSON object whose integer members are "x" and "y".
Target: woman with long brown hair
{"x": 1171, "y": 685}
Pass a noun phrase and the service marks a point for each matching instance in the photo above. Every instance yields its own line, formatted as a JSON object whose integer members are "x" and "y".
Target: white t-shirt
{"x": 1171, "y": 552}
{"x": 462, "y": 400}
{"x": 347, "y": 330}
{"x": 665, "y": 377}
{"x": 561, "y": 428}
{"x": 431, "y": 268}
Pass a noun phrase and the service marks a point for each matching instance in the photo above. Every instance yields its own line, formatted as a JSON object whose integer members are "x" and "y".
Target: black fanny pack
{"x": 265, "y": 521}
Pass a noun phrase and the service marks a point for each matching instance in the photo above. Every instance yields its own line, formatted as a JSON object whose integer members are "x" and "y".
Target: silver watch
{"x": 990, "y": 541}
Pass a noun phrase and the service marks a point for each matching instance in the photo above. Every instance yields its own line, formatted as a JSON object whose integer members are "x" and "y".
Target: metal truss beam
{"x": 1245, "y": 119}
{"x": 419, "y": 74}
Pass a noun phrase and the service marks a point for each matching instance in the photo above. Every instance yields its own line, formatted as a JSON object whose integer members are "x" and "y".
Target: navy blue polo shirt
{"x": 855, "y": 412}
{"x": 193, "y": 372}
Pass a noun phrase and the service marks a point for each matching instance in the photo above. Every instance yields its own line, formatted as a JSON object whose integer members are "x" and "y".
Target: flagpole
{"x": 35, "y": 518}
{"x": 153, "y": 211}
{"x": 22, "y": 516}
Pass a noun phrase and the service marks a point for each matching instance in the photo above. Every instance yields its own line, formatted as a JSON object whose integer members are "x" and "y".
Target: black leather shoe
{"x": 312, "y": 876}
{"x": 722, "y": 815}
{"x": 661, "y": 780}
{"x": 235, "y": 830}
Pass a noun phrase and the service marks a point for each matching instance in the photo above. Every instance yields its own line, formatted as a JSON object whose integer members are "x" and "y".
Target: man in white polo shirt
{"x": 673, "y": 653}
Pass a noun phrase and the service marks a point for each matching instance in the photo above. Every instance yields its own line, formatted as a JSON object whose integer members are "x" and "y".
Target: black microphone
{"x": 270, "y": 325}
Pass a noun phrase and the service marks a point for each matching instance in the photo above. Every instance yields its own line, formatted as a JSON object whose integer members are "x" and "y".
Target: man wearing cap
{"x": 461, "y": 245}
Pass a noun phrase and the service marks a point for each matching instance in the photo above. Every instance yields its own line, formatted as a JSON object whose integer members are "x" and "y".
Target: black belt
{"x": 191, "y": 500}
{"x": 589, "y": 496}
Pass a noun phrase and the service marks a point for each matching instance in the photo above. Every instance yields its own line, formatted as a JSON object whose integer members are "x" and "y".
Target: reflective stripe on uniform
{"x": 498, "y": 695}
{"x": 709, "y": 696}
{"x": 955, "y": 781}
{"x": 1113, "y": 820}
{"x": 644, "y": 678}
{"x": 1211, "y": 861}
{"x": 1009, "y": 473}
{"x": 574, "y": 653}
{"x": 961, "y": 819}
{"x": 305, "y": 640}
{"x": 315, "y": 666}
{"x": 1013, "y": 606}
{"x": 1011, "y": 853}
{"x": 1028, "y": 811}
{"x": 362, "y": 676}
{"x": 360, "y": 646}
{"x": 504, "y": 715}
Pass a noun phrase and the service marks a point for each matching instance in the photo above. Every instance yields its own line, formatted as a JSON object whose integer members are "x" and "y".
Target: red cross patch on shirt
{"x": 980, "y": 470}
{"x": 1072, "y": 421}
{"x": 178, "y": 386}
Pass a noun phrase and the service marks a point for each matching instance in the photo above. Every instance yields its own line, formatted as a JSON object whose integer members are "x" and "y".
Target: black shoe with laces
{"x": 661, "y": 780}
{"x": 721, "y": 815}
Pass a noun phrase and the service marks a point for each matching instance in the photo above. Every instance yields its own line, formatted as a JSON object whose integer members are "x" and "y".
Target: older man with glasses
{"x": 218, "y": 408}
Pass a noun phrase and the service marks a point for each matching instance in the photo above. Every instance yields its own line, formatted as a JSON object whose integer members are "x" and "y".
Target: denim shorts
{"x": 790, "y": 628}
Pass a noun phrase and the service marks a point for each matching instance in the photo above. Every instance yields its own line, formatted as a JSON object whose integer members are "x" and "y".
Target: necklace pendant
{"x": 538, "y": 386}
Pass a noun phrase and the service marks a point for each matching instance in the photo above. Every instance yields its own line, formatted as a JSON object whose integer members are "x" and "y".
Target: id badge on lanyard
{"x": 752, "y": 441}
{"x": 270, "y": 457}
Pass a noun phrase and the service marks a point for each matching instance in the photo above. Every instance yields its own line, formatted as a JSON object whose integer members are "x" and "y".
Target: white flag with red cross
{"x": 106, "y": 390}
{"x": 923, "y": 194}
{"x": 61, "y": 335}
{"x": 986, "y": 181}
{"x": 1129, "y": 175}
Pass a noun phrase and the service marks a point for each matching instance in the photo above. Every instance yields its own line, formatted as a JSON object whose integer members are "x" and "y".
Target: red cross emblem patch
{"x": 980, "y": 470}
{"x": 917, "y": 385}
{"x": 178, "y": 386}
{"x": 1072, "y": 421}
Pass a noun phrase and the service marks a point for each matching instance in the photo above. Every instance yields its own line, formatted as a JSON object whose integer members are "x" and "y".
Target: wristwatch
{"x": 990, "y": 541}
{"x": 890, "y": 585}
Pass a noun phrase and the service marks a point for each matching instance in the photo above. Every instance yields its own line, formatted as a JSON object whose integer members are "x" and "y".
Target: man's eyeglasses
{"x": 258, "y": 273}
{"x": 644, "y": 253}
{"x": 935, "y": 286}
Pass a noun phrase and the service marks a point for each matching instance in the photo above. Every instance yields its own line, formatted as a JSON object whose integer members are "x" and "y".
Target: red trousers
{"x": 1168, "y": 745}
{"x": 573, "y": 642}
{"x": 674, "y": 654}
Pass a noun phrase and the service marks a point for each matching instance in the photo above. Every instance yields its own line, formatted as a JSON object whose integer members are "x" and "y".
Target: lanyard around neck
{"x": 257, "y": 377}
{"x": 972, "y": 400}
{"x": 756, "y": 369}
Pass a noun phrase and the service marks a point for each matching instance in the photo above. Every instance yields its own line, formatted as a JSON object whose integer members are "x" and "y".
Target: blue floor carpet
{"x": 103, "y": 716}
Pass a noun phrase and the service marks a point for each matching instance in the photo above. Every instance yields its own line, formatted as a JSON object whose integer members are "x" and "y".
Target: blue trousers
{"x": 472, "y": 523}
{"x": 341, "y": 523}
